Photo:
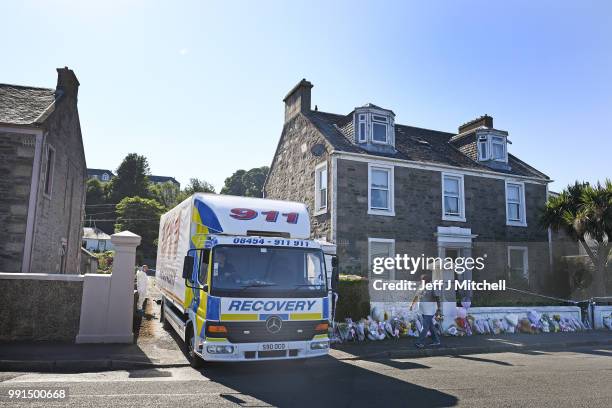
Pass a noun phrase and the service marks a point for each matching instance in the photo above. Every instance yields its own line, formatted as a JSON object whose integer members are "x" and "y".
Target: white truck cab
{"x": 242, "y": 281}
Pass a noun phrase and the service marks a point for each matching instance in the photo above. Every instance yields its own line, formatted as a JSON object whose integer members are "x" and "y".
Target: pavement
{"x": 157, "y": 348}
{"x": 576, "y": 377}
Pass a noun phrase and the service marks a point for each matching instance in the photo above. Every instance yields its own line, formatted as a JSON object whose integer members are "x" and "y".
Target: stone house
{"x": 105, "y": 175}
{"x": 96, "y": 240}
{"x": 102, "y": 175}
{"x": 378, "y": 188}
{"x": 42, "y": 177}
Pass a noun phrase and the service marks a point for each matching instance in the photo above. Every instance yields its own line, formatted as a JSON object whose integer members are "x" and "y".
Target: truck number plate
{"x": 272, "y": 346}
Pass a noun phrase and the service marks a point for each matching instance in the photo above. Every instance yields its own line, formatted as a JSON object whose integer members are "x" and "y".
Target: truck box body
{"x": 256, "y": 275}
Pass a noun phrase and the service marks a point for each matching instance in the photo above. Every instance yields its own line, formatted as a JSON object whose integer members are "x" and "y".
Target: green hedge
{"x": 354, "y": 298}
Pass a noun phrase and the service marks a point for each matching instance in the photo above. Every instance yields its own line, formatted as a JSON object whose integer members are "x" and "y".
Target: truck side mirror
{"x": 334, "y": 262}
{"x": 188, "y": 267}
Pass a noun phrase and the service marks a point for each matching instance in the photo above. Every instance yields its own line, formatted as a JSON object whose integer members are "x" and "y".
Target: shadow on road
{"x": 324, "y": 381}
{"x": 484, "y": 360}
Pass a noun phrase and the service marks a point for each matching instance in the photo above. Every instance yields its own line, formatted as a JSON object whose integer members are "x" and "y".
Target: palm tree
{"x": 585, "y": 213}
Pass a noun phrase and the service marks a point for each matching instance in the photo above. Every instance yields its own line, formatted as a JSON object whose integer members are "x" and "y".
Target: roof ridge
{"x": 421, "y": 128}
{"x": 396, "y": 124}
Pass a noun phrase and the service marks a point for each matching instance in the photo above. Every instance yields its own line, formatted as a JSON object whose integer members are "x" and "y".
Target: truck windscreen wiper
{"x": 258, "y": 285}
{"x": 311, "y": 285}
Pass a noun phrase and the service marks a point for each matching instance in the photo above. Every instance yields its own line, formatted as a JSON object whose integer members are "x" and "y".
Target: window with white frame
{"x": 491, "y": 147}
{"x": 453, "y": 201}
{"x": 321, "y": 188}
{"x": 105, "y": 177}
{"x": 515, "y": 204}
{"x": 49, "y": 170}
{"x": 379, "y": 129}
{"x": 380, "y": 188}
{"x": 483, "y": 151}
{"x": 362, "y": 128}
{"x": 518, "y": 263}
{"x": 381, "y": 248}
{"x": 498, "y": 148}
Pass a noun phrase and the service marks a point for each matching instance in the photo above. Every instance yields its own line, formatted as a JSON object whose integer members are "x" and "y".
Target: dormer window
{"x": 379, "y": 129}
{"x": 492, "y": 147}
{"x": 374, "y": 128}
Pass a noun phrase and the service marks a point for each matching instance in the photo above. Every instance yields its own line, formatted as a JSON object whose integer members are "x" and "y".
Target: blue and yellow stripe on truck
{"x": 232, "y": 317}
{"x": 203, "y": 222}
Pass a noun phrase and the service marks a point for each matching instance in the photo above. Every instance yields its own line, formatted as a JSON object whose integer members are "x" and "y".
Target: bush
{"x": 354, "y": 298}
{"x": 105, "y": 261}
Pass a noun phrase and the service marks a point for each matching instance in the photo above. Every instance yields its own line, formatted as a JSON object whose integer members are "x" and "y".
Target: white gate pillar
{"x": 120, "y": 317}
{"x": 107, "y": 308}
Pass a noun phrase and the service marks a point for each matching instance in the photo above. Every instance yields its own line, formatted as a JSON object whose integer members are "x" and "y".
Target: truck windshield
{"x": 271, "y": 269}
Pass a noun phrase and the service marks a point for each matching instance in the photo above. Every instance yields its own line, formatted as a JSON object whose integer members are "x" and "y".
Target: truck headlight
{"x": 319, "y": 345}
{"x": 215, "y": 349}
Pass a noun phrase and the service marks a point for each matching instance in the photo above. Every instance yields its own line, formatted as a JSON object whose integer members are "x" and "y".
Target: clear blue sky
{"x": 197, "y": 87}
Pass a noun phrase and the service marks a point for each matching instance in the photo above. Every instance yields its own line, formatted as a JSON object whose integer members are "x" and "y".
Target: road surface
{"x": 574, "y": 378}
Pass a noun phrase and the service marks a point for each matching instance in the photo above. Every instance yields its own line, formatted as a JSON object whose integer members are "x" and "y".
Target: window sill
{"x": 456, "y": 218}
{"x": 515, "y": 223}
{"x": 380, "y": 143}
{"x": 381, "y": 212}
{"x": 320, "y": 212}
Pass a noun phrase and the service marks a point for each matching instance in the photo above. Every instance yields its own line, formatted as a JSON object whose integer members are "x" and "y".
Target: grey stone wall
{"x": 59, "y": 216}
{"x": 418, "y": 213}
{"x": 292, "y": 173}
{"x": 16, "y": 160}
{"x": 39, "y": 310}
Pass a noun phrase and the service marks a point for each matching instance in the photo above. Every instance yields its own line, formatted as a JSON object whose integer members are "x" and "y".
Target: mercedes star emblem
{"x": 274, "y": 324}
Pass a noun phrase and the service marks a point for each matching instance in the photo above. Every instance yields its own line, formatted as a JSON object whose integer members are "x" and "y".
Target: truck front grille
{"x": 256, "y": 332}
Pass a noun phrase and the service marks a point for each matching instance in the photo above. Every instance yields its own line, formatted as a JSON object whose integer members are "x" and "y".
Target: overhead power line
{"x": 122, "y": 219}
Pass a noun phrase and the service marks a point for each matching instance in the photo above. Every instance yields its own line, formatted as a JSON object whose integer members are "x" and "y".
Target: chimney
{"x": 486, "y": 121}
{"x": 67, "y": 82}
{"x": 298, "y": 99}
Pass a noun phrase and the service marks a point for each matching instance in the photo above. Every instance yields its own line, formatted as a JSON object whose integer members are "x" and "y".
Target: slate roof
{"x": 25, "y": 105}
{"x": 99, "y": 172}
{"x": 94, "y": 233}
{"x": 162, "y": 179}
{"x": 411, "y": 143}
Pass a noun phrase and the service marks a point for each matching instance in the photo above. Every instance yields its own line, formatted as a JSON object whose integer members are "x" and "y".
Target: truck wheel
{"x": 195, "y": 361}
{"x": 162, "y": 317}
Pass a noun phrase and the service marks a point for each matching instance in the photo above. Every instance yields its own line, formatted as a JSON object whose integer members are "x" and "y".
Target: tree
{"x": 246, "y": 183}
{"x": 585, "y": 213}
{"x": 96, "y": 205}
{"x": 198, "y": 186}
{"x": 167, "y": 194}
{"x": 140, "y": 216}
{"x": 131, "y": 179}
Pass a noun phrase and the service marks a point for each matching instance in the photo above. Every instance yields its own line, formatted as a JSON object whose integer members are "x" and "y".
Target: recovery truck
{"x": 241, "y": 280}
